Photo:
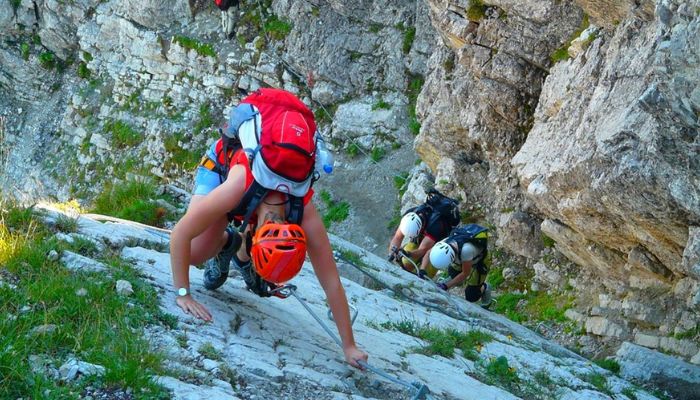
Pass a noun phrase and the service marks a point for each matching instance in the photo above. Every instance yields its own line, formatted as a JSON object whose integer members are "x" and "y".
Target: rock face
{"x": 602, "y": 147}
{"x": 681, "y": 378}
{"x": 540, "y": 123}
{"x": 278, "y": 350}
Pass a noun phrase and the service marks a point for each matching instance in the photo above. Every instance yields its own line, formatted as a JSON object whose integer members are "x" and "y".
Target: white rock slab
{"x": 188, "y": 391}
{"x": 76, "y": 262}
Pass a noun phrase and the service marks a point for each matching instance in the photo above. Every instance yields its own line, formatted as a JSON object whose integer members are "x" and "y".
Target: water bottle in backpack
{"x": 324, "y": 158}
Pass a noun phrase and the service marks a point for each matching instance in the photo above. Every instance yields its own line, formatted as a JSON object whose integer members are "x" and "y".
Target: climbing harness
{"x": 421, "y": 389}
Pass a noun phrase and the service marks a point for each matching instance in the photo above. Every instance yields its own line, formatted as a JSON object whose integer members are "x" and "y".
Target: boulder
{"x": 677, "y": 377}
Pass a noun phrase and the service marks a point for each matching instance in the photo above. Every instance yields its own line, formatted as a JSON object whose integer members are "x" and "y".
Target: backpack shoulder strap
{"x": 295, "y": 209}
{"x": 249, "y": 202}
{"x": 252, "y": 198}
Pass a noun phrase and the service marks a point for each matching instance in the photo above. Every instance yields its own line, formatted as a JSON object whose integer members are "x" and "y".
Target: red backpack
{"x": 278, "y": 133}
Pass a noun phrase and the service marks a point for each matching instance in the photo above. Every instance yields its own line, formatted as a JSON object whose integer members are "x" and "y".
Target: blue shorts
{"x": 205, "y": 181}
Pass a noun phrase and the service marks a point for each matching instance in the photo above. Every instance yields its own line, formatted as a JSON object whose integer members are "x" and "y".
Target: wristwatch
{"x": 183, "y": 291}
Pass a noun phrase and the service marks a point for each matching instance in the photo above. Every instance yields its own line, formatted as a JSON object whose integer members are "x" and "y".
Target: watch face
{"x": 182, "y": 291}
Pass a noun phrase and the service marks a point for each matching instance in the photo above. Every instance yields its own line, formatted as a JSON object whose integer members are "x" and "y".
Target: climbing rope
{"x": 421, "y": 389}
{"x": 446, "y": 293}
{"x": 460, "y": 315}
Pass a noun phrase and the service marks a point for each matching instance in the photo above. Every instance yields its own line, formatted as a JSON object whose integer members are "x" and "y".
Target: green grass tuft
{"x": 442, "y": 342}
{"x": 178, "y": 156}
{"x": 24, "y": 50}
{"x": 83, "y": 71}
{"x": 599, "y": 381}
{"x": 203, "y": 49}
{"x": 335, "y": 211}
{"x": 562, "y": 53}
{"x": 377, "y": 154}
{"x": 209, "y": 351}
{"x": 609, "y": 364}
{"x": 401, "y": 183}
{"x": 499, "y": 372}
{"x": 205, "y": 119}
{"x": 547, "y": 241}
{"x": 381, "y": 105}
{"x": 415, "y": 85}
{"x": 277, "y": 29}
{"x": 495, "y": 278}
{"x": 99, "y": 328}
{"x": 66, "y": 224}
{"x": 131, "y": 200}
{"x": 353, "y": 149}
{"x": 123, "y": 135}
{"x": 409, "y": 35}
{"x": 507, "y": 303}
{"x": 476, "y": 10}
{"x": 47, "y": 60}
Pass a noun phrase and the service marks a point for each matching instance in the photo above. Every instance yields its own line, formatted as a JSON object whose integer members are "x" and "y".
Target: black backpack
{"x": 444, "y": 208}
{"x": 474, "y": 234}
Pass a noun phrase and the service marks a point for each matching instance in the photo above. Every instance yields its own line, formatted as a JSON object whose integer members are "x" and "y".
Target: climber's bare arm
{"x": 201, "y": 214}
{"x": 321, "y": 255}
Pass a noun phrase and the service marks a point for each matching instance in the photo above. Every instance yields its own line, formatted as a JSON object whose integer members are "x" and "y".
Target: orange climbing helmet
{"x": 278, "y": 251}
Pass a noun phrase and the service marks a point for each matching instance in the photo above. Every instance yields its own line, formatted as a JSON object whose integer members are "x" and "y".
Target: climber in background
{"x": 423, "y": 226}
{"x": 230, "y": 11}
{"x": 463, "y": 256}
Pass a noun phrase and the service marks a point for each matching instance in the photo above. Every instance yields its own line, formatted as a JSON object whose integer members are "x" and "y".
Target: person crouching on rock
{"x": 259, "y": 175}
{"x": 463, "y": 255}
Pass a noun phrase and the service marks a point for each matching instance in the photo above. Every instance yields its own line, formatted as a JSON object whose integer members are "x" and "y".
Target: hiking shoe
{"x": 246, "y": 270}
{"x": 486, "y": 298}
{"x": 216, "y": 270}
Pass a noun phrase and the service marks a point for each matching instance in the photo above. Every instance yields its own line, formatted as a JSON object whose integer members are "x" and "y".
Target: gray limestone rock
{"x": 156, "y": 13}
{"x": 520, "y": 233}
{"x": 124, "y": 288}
{"x": 73, "y": 368}
{"x": 679, "y": 378}
{"x": 76, "y": 262}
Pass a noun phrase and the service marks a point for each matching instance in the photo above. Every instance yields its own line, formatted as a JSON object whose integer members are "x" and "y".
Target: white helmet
{"x": 442, "y": 255}
{"x": 411, "y": 225}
